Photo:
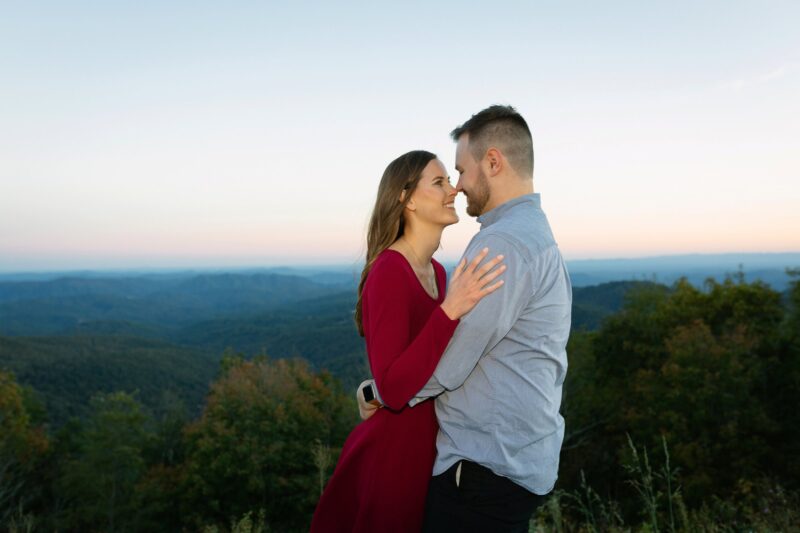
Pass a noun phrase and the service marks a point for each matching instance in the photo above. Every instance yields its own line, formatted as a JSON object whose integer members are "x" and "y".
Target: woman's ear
{"x": 410, "y": 205}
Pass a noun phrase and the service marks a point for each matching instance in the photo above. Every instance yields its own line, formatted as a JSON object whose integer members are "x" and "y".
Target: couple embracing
{"x": 465, "y": 431}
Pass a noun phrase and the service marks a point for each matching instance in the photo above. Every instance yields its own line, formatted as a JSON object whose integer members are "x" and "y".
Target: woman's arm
{"x": 401, "y": 365}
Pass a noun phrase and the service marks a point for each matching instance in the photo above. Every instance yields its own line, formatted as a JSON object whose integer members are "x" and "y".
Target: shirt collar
{"x": 490, "y": 217}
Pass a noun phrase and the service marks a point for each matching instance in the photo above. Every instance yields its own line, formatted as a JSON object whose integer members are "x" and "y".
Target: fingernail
{"x": 500, "y": 256}
{"x": 485, "y": 250}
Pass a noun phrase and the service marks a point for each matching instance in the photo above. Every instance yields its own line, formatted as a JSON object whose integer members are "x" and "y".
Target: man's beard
{"x": 478, "y": 197}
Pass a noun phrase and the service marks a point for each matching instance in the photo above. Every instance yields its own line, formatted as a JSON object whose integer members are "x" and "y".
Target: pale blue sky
{"x": 200, "y": 134}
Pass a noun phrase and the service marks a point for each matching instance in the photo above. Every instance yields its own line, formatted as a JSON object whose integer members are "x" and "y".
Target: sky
{"x": 207, "y": 134}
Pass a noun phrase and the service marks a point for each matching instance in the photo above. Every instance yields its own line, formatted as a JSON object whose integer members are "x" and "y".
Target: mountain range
{"x": 165, "y": 332}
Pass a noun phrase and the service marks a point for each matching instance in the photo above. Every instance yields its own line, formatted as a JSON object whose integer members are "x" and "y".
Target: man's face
{"x": 472, "y": 180}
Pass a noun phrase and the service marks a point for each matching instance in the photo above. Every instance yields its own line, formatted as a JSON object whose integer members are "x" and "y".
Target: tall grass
{"x": 760, "y": 506}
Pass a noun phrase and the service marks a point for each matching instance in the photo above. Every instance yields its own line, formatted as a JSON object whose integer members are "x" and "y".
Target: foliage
{"x": 245, "y": 524}
{"x": 592, "y": 304}
{"x": 67, "y": 371}
{"x": 761, "y": 505}
{"x": 98, "y": 482}
{"x": 23, "y": 446}
{"x": 253, "y": 446}
{"x": 714, "y": 372}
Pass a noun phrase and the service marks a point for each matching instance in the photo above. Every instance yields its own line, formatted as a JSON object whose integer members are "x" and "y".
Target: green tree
{"x": 695, "y": 366}
{"x": 705, "y": 400}
{"x": 252, "y": 448}
{"x": 98, "y": 483}
{"x": 784, "y": 388}
{"x": 160, "y": 489}
{"x": 23, "y": 446}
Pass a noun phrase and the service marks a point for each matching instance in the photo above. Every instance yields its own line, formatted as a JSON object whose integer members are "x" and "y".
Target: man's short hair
{"x": 500, "y": 126}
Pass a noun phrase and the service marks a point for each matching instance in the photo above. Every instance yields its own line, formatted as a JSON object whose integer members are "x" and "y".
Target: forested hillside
{"x": 72, "y": 338}
{"x": 144, "y": 304}
{"x": 66, "y": 371}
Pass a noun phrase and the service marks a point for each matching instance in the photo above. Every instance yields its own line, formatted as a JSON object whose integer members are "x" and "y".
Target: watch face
{"x": 368, "y": 394}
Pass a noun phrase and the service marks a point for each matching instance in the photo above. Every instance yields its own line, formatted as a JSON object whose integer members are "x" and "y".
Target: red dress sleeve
{"x": 401, "y": 362}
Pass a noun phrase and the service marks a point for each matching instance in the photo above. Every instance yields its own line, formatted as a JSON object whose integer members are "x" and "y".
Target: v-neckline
{"x": 419, "y": 283}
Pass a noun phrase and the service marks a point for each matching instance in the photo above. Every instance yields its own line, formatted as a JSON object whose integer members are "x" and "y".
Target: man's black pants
{"x": 482, "y": 501}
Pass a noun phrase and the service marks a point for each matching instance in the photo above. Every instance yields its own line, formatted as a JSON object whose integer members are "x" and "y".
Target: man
{"x": 498, "y": 384}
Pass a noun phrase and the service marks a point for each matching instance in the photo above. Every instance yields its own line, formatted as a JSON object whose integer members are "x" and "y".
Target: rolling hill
{"x": 70, "y": 338}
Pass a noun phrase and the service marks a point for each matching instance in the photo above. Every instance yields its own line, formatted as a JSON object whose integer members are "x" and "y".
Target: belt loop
{"x": 458, "y": 473}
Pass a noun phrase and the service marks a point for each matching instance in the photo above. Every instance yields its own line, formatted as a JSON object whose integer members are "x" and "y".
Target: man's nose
{"x": 459, "y": 188}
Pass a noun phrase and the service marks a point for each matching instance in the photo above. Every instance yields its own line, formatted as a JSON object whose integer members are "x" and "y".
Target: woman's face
{"x": 434, "y": 197}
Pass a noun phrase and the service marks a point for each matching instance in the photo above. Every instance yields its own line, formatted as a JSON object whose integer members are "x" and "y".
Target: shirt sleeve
{"x": 401, "y": 364}
{"x": 487, "y": 323}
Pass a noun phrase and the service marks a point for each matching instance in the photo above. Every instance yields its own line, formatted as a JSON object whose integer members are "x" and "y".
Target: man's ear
{"x": 494, "y": 161}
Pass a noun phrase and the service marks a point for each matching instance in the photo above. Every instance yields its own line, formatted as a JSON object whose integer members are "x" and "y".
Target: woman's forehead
{"x": 434, "y": 169}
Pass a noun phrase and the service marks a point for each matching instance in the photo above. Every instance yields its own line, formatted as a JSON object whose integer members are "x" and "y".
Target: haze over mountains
{"x": 768, "y": 267}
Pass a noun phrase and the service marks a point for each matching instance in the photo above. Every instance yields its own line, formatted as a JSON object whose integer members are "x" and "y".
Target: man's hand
{"x": 365, "y": 409}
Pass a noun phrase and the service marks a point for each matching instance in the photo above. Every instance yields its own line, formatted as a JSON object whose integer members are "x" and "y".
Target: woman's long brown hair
{"x": 386, "y": 223}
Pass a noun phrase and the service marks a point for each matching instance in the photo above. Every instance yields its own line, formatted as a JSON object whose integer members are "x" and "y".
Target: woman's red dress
{"x": 381, "y": 478}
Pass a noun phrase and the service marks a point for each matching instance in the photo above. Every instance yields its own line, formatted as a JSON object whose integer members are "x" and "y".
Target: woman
{"x": 382, "y": 475}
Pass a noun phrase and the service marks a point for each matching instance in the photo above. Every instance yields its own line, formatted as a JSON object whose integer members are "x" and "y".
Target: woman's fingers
{"x": 491, "y": 288}
{"x": 489, "y": 265}
{"x": 459, "y": 269}
{"x": 478, "y": 258}
{"x": 479, "y": 276}
{"x": 471, "y": 281}
{"x": 491, "y": 275}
